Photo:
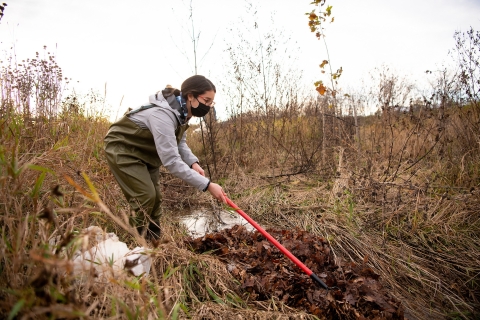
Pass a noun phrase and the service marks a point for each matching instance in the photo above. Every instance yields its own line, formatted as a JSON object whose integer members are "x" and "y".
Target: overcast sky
{"x": 136, "y": 48}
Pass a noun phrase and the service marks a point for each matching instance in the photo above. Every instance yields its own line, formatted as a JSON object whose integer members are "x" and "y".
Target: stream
{"x": 200, "y": 222}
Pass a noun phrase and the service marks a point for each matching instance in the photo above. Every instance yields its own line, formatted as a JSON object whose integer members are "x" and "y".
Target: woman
{"x": 154, "y": 135}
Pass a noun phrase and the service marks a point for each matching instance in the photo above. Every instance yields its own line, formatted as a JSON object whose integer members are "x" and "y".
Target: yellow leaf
{"x": 329, "y": 10}
{"x": 323, "y": 63}
{"x": 96, "y": 198}
{"x": 78, "y": 187}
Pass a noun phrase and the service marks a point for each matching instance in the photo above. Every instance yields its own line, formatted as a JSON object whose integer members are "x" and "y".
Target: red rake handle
{"x": 278, "y": 245}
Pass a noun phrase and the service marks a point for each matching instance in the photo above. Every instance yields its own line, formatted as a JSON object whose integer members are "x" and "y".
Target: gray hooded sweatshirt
{"x": 162, "y": 118}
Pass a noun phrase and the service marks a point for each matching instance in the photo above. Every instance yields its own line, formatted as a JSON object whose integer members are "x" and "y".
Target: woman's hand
{"x": 217, "y": 192}
{"x": 197, "y": 168}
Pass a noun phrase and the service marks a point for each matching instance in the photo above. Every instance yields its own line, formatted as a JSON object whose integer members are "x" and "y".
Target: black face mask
{"x": 201, "y": 110}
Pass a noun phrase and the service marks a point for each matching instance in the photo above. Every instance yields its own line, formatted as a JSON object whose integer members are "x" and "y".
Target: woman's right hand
{"x": 217, "y": 192}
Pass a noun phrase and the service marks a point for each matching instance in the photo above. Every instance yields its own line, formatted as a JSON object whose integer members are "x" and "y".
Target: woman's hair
{"x": 196, "y": 85}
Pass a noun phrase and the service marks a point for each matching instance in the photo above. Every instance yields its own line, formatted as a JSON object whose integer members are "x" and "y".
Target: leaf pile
{"x": 264, "y": 272}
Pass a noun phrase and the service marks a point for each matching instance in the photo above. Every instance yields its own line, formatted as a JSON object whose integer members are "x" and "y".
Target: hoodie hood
{"x": 164, "y": 98}
{"x": 158, "y": 99}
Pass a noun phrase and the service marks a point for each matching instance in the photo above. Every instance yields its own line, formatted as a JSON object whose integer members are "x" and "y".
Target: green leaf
{"x": 38, "y": 184}
{"x": 175, "y": 311}
{"x": 113, "y": 310}
{"x": 169, "y": 272}
{"x": 130, "y": 315}
{"x": 16, "y": 308}
{"x": 185, "y": 309}
{"x": 214, "y": 296}
{"x": 60, "y": 144}
{"x": 235, "y": 300}
{"x": 40, "y": 168}
{"x": 133, "y": 284}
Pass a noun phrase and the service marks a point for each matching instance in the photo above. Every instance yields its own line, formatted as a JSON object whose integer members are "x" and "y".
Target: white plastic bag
{"x": 110, "y": 257}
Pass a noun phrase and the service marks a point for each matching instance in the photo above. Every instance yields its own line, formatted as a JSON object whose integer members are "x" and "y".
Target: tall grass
{"x": 404, "y": 198}
{"x": 400, "y": 191}
{"x": 55, "y": 183}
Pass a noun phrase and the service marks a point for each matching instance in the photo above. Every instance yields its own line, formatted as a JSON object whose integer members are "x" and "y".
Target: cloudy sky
{"x": 136, "y": 48}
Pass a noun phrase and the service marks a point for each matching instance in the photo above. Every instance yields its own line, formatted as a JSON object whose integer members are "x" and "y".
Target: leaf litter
{"x": 265, "y": 273}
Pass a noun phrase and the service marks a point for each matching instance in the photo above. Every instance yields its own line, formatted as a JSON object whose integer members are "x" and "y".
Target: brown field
{"x": 399, "y": 193}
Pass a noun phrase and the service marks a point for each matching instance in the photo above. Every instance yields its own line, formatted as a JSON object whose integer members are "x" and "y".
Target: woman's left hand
{"x": 199, "y": 169}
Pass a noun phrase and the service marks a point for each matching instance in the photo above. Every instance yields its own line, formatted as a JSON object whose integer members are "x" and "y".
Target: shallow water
{"x": 201, "y": 222}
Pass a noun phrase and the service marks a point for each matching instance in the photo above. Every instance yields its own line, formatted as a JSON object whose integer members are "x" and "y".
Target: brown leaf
{"x": 321, "y": 89}
{"x": 265, "y": 272}
{"x": 249, "y": 282}
{"x": 351, "y": 299}
{"x": 365, "y": 259}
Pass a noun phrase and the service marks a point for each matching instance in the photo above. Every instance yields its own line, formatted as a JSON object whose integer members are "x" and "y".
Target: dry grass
{"x": 429, "y": 260}
{"x": 409, "y": 206}
{"x": 39, "y": 206}
{"x": 423, "y": 243}
{"x": 405, "y": 201}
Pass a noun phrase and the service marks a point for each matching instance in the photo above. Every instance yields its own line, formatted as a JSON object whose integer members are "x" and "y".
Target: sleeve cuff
{"x": 194, "y": 163}
{"x": 206, "y": 188}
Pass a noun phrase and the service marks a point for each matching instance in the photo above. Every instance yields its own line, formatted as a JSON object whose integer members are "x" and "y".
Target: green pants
{"x": 139, "y": 182}
{"x": 133, "y": 160}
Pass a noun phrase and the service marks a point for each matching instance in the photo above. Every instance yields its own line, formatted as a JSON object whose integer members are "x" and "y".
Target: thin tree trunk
{"x": 324, "y": 150}
{"x": 357, "y": 129}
